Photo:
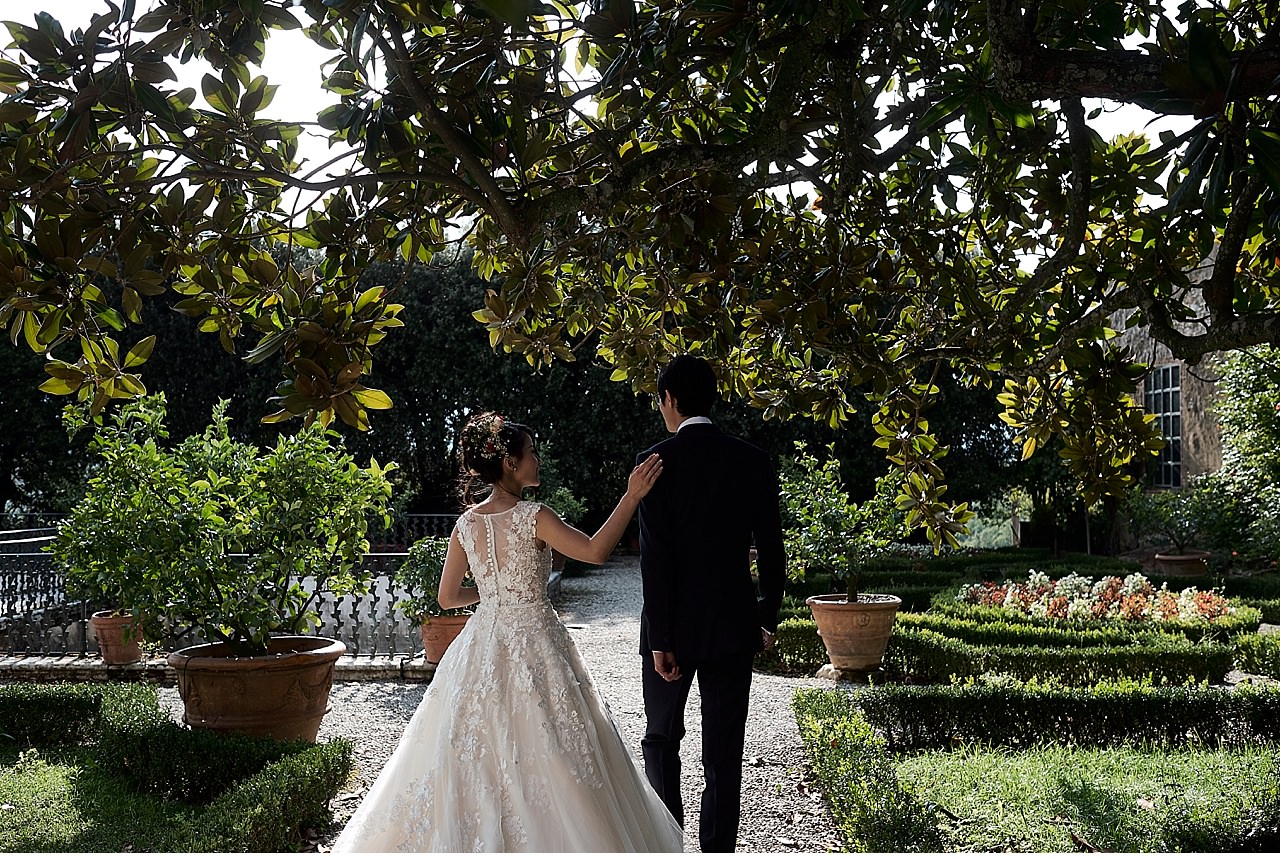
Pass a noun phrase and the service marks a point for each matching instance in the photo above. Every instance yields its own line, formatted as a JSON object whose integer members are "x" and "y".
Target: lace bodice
{"x": 502, "y": 551}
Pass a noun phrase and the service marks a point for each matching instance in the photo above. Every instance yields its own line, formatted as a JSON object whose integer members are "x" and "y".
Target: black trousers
{"x": 724, "y": 684}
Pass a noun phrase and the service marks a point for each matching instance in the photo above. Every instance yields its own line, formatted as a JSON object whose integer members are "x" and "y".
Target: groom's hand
{"x": 665, "y": 664}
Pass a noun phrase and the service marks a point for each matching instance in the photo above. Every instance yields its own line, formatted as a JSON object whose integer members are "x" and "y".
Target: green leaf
{"x": 59, "y": 386}
{"x": 1208, "y": 57}
{"x": 217, "y": 94}
{"x": 1264, "y": 151}
{"x": 140, "y": 352}
{"x": 371, "y": 398}
{"x": 13, "y": 112}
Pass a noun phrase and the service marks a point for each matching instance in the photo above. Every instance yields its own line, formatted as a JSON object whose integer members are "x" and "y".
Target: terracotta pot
{"x": 438, "y": 632}
{"x": 1186, "y": 564}
{"x": 115, "y": 646}
{"x": 855, "y": 635}
{"x": 284, "y": 694}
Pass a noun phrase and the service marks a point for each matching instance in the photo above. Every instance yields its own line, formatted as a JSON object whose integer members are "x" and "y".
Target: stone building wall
{"x": 1201, "y": 432}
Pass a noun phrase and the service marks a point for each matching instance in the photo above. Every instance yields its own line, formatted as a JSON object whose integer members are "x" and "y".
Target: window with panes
{"x": 1164, "y": 400}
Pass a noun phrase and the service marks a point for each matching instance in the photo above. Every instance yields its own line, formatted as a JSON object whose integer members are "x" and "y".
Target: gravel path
{"x": 781, "y": 810}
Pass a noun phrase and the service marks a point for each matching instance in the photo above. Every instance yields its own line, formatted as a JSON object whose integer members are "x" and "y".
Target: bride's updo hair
{"x": 487, "y": 439}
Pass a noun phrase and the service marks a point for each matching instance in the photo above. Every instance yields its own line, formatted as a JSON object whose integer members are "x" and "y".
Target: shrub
{"x": 268, "y": 811}
{"x": 797, "y": 648}
{"x": 926, "y": 656}
{"x": 161, "y": 757}
{"x": 1210, "y": 512}
{"x": 215, "y": 534}
{"x": 1016, "y": 714}
{"x": 1268, "y": 609}
{"x": 825, "y": 530}
{"x": 859, "y": 778}
{"x": 36, "y": 715}
{"x": 420, "y": 575}
{"x": 1259, "y": 654}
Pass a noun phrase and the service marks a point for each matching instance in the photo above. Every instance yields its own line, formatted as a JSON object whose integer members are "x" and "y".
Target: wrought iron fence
{"x": 39, "y": 618}
{"x": 403, "y": 532}
{"x": 29, "y": 541}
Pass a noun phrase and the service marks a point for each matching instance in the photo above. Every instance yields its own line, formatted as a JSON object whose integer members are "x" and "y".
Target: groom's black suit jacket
{"x": 717, "y": 496}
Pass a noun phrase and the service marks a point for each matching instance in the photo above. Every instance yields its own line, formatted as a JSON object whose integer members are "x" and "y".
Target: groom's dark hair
{"x": 692, "y": 381}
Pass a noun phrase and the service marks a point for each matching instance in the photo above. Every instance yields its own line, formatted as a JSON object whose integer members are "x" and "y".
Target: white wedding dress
{"x": 512, "y": 749}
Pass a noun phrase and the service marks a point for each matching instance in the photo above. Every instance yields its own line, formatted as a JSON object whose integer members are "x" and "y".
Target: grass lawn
{"x": 63, "y": 802}
{"x": 1054, "y": 799}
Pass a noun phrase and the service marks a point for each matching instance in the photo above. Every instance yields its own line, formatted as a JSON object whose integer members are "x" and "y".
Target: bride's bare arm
{"x": 571, "y": 542}
{"x": 452, "y": 593}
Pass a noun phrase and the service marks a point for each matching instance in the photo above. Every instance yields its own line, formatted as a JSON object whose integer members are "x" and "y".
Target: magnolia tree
{"x": 831, "y": 199}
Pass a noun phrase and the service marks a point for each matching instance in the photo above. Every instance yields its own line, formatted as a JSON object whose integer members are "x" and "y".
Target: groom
{"x": 717, "y": 496}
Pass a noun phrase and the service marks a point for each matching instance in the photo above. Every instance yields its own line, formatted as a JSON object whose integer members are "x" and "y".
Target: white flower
{"x": 1135, "y": 584}
{"x": 1073, "y": 586}
{"x": 1079, "y": 609}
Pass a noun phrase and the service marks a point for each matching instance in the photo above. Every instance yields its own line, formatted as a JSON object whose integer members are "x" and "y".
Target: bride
{"x": 512, "y": 748}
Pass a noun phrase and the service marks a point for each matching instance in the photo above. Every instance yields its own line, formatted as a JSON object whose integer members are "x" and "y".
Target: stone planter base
{"x": 856, "y": 634}
{"x": 115, "y": 646}
{"x": 863, "y": 677}
{"x": 284, "y": 694}
{"x": 1188, "y": 564}
{"x": 438, "y": 634}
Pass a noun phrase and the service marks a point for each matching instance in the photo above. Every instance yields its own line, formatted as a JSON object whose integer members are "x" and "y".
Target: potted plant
{"x": 419, "y": 575}
{"x": 1205, "y": 513}
{"x": 826, "y": 531}
{"x": 553, "y": 492}
{"x": 215, "y": 536}
{"x": 119, "y": 638}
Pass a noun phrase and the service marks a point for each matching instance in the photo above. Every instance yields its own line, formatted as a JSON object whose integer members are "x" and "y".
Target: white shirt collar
{"x": 692, "y": 421}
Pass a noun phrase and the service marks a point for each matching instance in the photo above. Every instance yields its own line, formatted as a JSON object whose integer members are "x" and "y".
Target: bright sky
{"x": 293, "y": 60}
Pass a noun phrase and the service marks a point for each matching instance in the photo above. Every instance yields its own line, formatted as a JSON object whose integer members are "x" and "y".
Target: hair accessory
{"x": 484, "y": 439}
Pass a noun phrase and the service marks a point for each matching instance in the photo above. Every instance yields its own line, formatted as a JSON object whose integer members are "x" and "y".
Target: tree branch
{"x": 1219, "y": 289}
{"x": 770, "y": 140}
{"x": 1027, "y": 71}
{"x": 1081, "y": 150}
{"x": 492, "y": 199}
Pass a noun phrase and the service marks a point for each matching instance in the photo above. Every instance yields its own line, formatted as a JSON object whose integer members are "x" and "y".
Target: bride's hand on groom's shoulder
{"x": 644, "y": 475}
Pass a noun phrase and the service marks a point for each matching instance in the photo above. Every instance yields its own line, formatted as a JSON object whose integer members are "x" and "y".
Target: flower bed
{"x": 1131, "y": 599}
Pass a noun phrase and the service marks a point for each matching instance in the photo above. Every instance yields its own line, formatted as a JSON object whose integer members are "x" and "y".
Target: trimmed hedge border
{"x": 877, "y": 812}
{"x": 797, "y": 648}
{"x": 1259, "y": 654}
{"x": 874, "y": 812}
{"x": 1269, "y": 608}
{"x": 258, "y": 794}
{"x": 161, "y": 757}
{"x": 1264, "y": 586}
{"x": 1109, "y": 713}
{"x": 992, "y": 632}
{"x": 925, "y": 656}
{"x": 268, "y": 811}
{"x": 34, "y": 715}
